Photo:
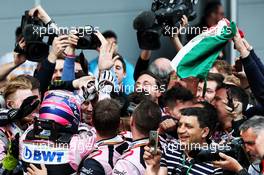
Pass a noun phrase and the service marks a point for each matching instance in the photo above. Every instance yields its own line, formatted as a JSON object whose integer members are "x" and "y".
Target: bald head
{"x": 163, "y": 63}
{"x": 161, "y": 67}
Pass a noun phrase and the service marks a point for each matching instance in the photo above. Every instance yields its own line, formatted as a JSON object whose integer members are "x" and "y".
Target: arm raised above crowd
{"x": 59, "y": 44}
{"x": 253, "y": 69}
{"x": 18, "y": 60}
{"x": 47, "y": 67}
{"x": 41, "y": 14}
{"x": 107, "y": 49}
{"x": 142, "y": 63}
{"x": 176, "y": 42}
{"x": 153, "y": 162}
{"x": 68, "y": 72}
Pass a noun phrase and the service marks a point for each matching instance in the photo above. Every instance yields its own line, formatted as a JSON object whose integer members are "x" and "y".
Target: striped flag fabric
{"x": 197, "y": 57}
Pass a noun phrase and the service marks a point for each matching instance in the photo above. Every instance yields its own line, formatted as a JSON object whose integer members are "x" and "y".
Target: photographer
{"x": 14, "y": 64}
{"x": 213, "y": 13}
{"x": 51, "y": 68}
{"x": 19, "y": 59}
{"x": 71, "y": 66}
{"x": 47, "y": 67}
{"x": 259, "y": 142}
{"x": 249, "y": 132}
{"x": 160, "y": 66}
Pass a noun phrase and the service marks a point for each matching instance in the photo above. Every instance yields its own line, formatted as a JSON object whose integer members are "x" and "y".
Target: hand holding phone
{"x": 153, "y": 142}
{"x": 230, "y": 102}
{"x": 238, "y": 66}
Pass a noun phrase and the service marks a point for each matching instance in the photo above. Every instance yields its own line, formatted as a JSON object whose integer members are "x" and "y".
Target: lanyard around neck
{"x": 138, "y": 143}
{"x": 112, "y": 141}
{"x": 184, "y": 163}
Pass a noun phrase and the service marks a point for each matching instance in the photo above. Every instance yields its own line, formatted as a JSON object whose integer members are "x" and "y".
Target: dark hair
{"x": 109, "y": 34}
{"x": 106, "y": 117}
{"x": 212, "y": 112}
{"x": 159, "y": 82}
{"x": 120, "y": 58}
{"x": 218, "y": 78}
{"x": 177, "y": 94}
{"x": 211, "y": 7}
{"x": 18, "y": 33}
{"x": 239, "y": 94}
{"x": 132, "y": 101}
{"x": 203, "y": 117}
{"x": 84, "y": 64}
{"x": 137, "y": 97}
{"x": 147, "y": 117}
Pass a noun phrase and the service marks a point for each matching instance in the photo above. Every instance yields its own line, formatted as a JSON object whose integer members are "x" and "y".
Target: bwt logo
{"x": 47, "y": 156}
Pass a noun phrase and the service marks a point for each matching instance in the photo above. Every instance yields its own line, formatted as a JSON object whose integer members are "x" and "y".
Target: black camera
{"x": 87, "y": 39}
{"x": 34, "y": 31}
{"x": 211, "y": 153}
{"x": 164, "y": 16}
{"x": 170, "y": 12}
{"x": 36, "y": 49}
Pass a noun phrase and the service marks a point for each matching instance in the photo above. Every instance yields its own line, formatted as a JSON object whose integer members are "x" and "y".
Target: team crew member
{"x": 145, "y": 118}
{"x": 109, "y": 145}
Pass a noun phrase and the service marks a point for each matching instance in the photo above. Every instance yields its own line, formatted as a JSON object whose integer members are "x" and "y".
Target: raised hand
{"x": 27, "y": 106}
{"x": 106, "y": 60}
{"x": 41, "y": 14}
{"x": 59, "y": 44}
{"x": 20, "y": 58}
{"x": 152, "y": 161}
{"x": 73, "y": 40}
{"x": 240, "y": 45}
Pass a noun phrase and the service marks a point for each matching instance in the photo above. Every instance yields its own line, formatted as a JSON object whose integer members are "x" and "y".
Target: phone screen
{"x": 153, "y": 141}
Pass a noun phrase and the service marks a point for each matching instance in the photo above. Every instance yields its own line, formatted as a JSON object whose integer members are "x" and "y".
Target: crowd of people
{"x": 68, "y": 116}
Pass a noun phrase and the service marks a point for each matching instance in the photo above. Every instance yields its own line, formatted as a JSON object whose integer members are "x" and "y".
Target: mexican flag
{"x": 197, "y": 57}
